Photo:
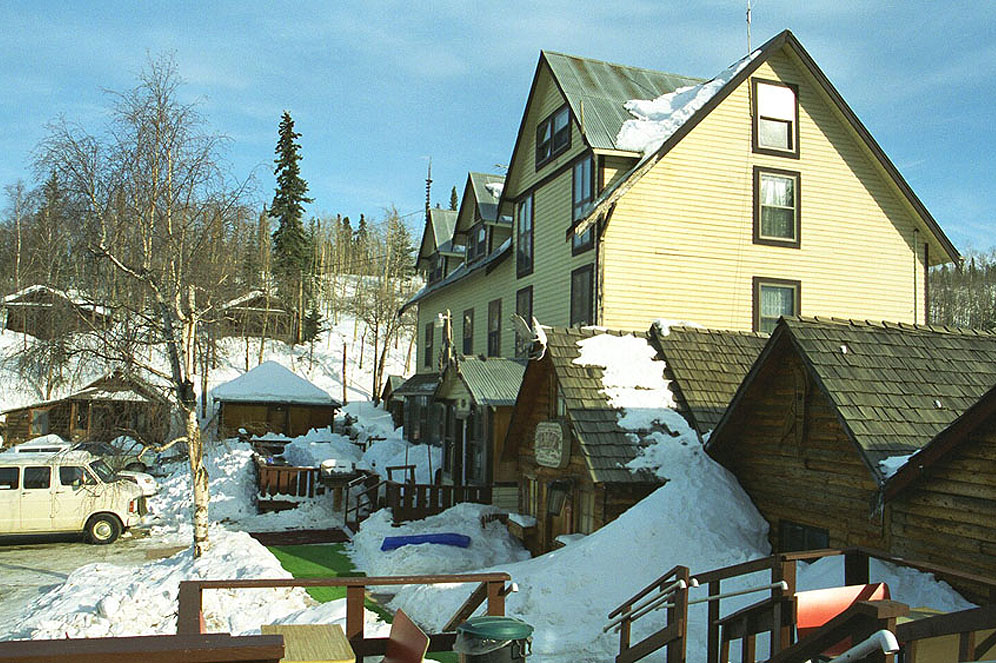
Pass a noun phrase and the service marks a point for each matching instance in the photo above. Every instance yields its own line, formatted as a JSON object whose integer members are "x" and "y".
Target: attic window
{"x": 477, "y": 244}
{"x": 776, "y": 118}
{"x": 553, "y": 135}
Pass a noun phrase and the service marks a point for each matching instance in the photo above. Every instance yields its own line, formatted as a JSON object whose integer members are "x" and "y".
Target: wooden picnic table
{"x": 312, "y": 643}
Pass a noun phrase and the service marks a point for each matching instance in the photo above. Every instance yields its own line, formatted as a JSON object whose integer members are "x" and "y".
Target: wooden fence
{"x": 414, "y": 501}
{"x": 288, "y": 480}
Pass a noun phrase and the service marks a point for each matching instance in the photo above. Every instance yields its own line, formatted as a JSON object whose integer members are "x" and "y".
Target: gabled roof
{"x": 492, "y": 381}
{"x": 116, "y": 385}
{"x": 485, "y": 186}
{"x": 706, "y": 367}
{"x": 894, "y": 387}
{"x": 272, "y": 383}
{"x": 391, "y": 385}
{"x": 733, "y": 77}
{"x": 605, "y": 445}
{"x": 255, "y": 300}
{"x": 597, "y": 90}
{"x": 438, "y": 232}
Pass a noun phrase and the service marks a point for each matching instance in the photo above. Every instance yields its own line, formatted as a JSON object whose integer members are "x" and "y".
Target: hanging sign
{"x": 550, "y": 444}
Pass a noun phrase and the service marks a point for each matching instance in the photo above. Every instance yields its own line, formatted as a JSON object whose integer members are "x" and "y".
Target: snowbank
{"x": 490, "y": 544}
{"x": 317, "y": 445}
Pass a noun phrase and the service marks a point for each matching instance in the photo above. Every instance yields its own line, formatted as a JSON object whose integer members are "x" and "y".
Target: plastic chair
{"x": 817, "y": 607}
{"x": 407, "y": 643}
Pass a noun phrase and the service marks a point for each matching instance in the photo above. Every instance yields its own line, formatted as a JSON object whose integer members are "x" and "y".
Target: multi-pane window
{"x": 583, "y": 194}
{"x": 581, "y": 296}
{"x": 774, "y": 299}
{"x": 553, "y": 135}
{"x": 468, "y": 331}
{"x": 776, "y": 118}
{"x": 776, "y": 207}
{"x": 793, "y": 537}
{"x": 436, "y": 268}
{"x": 494, "y": 328}
{"x": 523, "y": 309}
{"x": 477, "y": 242}
{"x": 524, "y": 236}
{"x": 427, "y": 358}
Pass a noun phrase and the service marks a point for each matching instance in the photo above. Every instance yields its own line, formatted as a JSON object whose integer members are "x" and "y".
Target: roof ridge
{"x": 888, "y": 325}
{"x": 713, "y": 330}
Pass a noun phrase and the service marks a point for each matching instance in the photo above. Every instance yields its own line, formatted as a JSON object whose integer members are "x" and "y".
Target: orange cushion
{"x": 819, "y": 606}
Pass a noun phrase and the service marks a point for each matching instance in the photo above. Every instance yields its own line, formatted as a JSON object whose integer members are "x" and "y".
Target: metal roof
{"x": 420, "y": 384}
{"x": 597, "y": 90}
{"x": 493, "y": 381}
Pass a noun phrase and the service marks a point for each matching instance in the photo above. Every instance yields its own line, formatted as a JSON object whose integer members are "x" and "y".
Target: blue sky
{"x": 375, "y": 88}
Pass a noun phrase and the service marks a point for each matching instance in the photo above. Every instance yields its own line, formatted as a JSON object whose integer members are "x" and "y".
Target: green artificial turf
{"x": 327, "y": 560}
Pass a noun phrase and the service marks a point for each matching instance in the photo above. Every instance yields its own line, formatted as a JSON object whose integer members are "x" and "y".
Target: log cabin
{"x": 478, "y": 394}
{"x": 258, "y": 314}
{"x": 272, "y": 399}
{"x": 47, "y": 313}
{"x": 832, "y": 407}
{"x": 114, "y": 405}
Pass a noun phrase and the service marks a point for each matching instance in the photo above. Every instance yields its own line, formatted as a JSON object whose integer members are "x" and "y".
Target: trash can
{"x": 493, "y": 640}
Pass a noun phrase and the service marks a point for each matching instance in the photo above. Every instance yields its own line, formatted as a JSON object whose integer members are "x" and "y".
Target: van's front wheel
{"x": 103, "y": 529}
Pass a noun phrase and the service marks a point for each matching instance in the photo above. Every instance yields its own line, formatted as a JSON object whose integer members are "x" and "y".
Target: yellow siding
{"x": 615, "y": 167}
{"x": 474, "y": 291}
{"x": 680, "y": 243}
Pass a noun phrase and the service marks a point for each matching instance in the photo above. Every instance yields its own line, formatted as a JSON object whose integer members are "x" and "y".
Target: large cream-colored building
{"x": 764, "y": 196}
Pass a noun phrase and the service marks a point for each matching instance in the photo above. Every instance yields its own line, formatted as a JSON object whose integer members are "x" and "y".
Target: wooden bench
{"x": 312, "y": 643}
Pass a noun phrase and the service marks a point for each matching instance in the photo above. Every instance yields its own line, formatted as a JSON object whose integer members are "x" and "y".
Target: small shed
{"x": 833, "y": 408}
{"x": 272, "y": 399}
{"x": 416, "y": 393}
{"x": 47, "y": 313}
{"x": 569, "y": 449}
{"x": 258, "y": 314}
{"x": 114, "y": 405}
{"x": 393, "y": 402}
{"x": 477, "y": 395}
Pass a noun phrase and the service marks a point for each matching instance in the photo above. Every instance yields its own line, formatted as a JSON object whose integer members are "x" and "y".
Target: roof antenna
{"x": 748, "y": 27}
{"x": 428, "y": 189}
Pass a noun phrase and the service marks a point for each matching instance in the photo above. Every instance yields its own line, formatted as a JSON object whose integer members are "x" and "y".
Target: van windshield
{"x": 105, "y": 473}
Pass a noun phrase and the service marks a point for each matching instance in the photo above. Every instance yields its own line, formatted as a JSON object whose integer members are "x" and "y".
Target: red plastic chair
{"x": 817, "y": 607}
{"x": 407, "y": 643}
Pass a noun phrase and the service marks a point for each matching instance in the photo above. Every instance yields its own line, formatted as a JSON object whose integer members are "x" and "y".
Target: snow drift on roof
{"x": 271, "y": 383}
{"x": 658, "y": 119}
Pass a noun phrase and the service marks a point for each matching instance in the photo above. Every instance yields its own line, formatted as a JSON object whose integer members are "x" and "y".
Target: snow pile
{"x": 658, "y": 119}
{"x": 395, "y": 452}
{"x": 892, "y": 464}
{"x": 495, "y": 188}
{"x": 490, "y": 543}
{"x": 104, "y": 600}
{"x": 371, "y": 421}
{"x": 311, "y": 449}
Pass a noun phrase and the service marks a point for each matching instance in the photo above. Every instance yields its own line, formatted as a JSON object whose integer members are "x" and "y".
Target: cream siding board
{"x": 475, "y": 291}
{"x": 614, "y": 168}
{"x": 680, "y": 242}
{"x": 545, "y": 100}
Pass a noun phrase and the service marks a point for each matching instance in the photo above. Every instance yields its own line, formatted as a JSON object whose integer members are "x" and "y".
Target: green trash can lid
{"x": 496, "y": 628}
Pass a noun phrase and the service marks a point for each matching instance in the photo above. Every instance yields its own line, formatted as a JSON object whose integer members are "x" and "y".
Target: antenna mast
{"x": 428, "y": 188}
{"x": 748, "y": 27}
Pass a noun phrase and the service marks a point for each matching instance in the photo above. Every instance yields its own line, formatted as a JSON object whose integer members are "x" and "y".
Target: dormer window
{"x": 776, "y": 118}
{"x": 477, "y": 242}
{"x": 436, "y": 268}
{"x": 553, "y": 135}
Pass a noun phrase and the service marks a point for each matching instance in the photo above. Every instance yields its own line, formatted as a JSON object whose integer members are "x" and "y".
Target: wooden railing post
{"x": 678, "y": 616}
{"x": 355, "y": 594}
{"x": 781, "y": 635}
{"x": 625, "y": 630}
{"x": 712, "y": 641}
{"x": 188, "y": 612}
{"x": 496, "y": 598}
{"x": 856, "y": 567}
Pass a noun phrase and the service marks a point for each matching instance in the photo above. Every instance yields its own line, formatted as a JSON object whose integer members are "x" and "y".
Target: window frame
{"x": 760, "y": 282}
{"x": 522, "y": 266}
{"x": 468, "y": 338}
{"x": 494, "y": 335}
{"x": 788, "y": 529}
{"x": 521, "y": 350}
{"x": 477, "y": 249}
{"x": 767, "y": 240}
{"x": 578, "y": 206}
{"x": 756, "y": 118}
{"x": 554, "y": 151}
{"x": 576, "y": 321}
{"x": 430, "y": 341}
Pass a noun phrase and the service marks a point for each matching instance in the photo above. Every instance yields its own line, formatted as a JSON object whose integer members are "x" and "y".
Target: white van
{"x": 68, "y": 491}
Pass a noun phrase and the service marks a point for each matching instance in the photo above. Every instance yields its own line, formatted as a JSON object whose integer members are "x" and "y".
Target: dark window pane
{"x": 494, "y": 328}
{"x": 37, "y": 478}
{"x": 9, "y": 478}
{"x": 468, "y": 331}
{"x": 581, "y": 296}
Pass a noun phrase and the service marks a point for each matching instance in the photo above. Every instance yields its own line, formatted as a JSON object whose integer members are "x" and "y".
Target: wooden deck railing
{"x": 414, "y": 501}
{"x": 670, "y": 591}
{"x": 274, "y": 480}
{"x": 195, "y": 648}
{"x": 491, "y": 587}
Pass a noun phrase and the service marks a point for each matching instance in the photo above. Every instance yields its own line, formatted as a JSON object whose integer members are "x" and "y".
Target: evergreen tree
{"x": 454, "y": 199}
{"x": 361, "y": 245}
{"x": 291, "y": 253}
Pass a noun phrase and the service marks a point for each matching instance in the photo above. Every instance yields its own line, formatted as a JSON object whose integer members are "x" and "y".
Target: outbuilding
{"x": 46, "y": 313}
{"x": 272, "y": 399}
{"x": 258, "y": 314}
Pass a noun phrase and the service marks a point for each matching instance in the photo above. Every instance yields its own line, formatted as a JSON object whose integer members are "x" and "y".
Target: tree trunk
{"x": 199, "y": 479}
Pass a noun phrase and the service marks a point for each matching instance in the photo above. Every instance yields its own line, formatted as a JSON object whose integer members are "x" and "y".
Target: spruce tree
{"x": 290, "y": 244}
{"x": 454, "y": 199}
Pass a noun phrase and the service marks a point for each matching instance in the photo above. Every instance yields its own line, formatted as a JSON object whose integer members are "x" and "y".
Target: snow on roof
{"x": 73, "y": 296}
{"x": 656, "y": 120}
{"x": 271, "y": 383}
{"x": 495, "y": 188}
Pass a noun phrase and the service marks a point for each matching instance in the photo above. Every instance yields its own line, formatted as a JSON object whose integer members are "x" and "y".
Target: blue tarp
{"x": 444, "y": 538}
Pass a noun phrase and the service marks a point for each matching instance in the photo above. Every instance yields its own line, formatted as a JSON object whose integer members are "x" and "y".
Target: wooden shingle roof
{"x": 605, "y": 445}
{"x": 706, "y": 366}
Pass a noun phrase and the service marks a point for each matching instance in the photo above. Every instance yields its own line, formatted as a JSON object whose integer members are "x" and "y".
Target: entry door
{"x": 36, "y": 499}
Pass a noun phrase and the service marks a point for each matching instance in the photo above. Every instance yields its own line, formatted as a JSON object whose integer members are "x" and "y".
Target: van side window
{"x": 37, "y": 477}
{"x": 8, "y": 478}
{"x": 72, "y": 476}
